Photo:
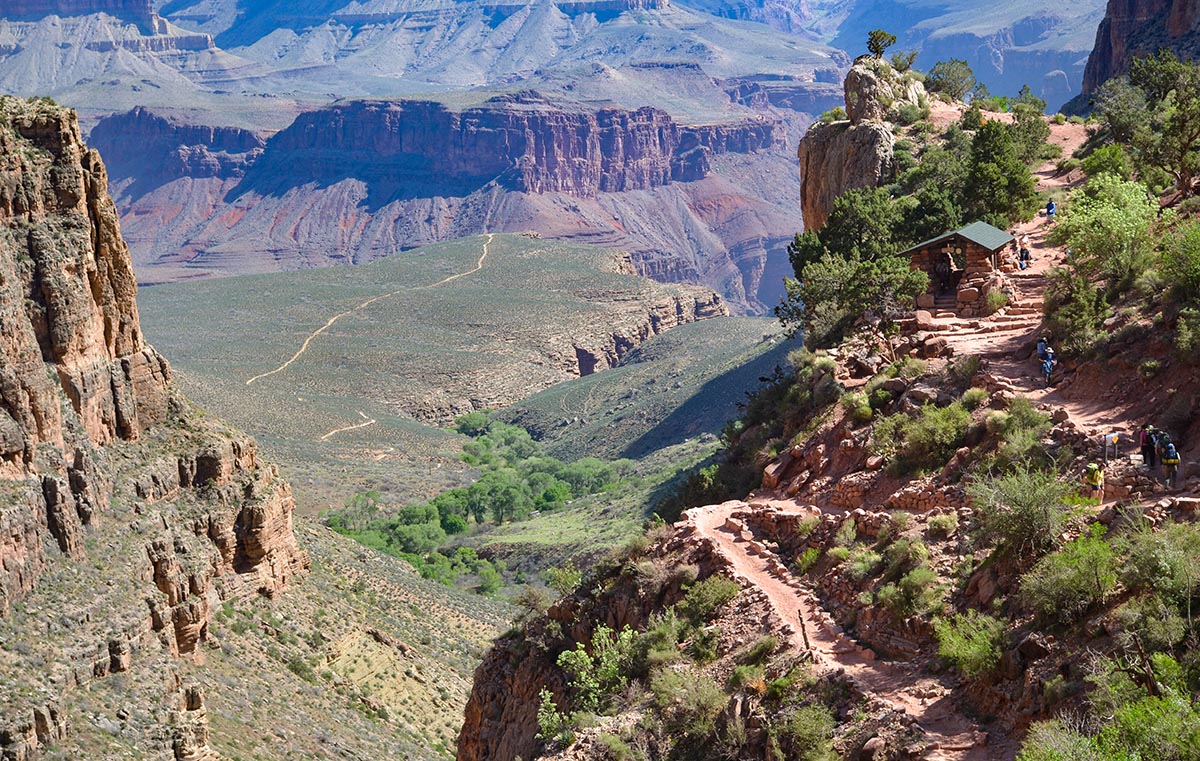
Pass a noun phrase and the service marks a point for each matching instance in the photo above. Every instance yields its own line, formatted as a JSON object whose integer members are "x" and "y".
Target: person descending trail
{"x": 1093, "y": 479}
{"x": 1042, "y": 344}
{"x": 1051, "y": 210}
{"x": 1048, "y": 365}
{"x": 1148, "y": 440}
{"x": 1170, "y": 463}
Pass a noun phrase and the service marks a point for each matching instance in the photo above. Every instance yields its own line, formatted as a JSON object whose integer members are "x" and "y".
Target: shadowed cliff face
{"x": 418, "y": 149}
{"x": 94, "y": 441}
{"x": 1134, "y": 28}
{"x": 140, "y": 12}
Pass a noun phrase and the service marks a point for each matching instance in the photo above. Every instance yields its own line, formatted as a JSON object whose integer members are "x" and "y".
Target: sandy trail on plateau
{"x": 308, "y": 341}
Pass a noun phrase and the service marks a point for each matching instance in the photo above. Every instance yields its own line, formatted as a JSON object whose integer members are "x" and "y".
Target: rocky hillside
{"x": 1131, "y": 29}
{"x": 363, "y": 180}
{"x": 128, "y": 516}
{"x": 139, "y": 11}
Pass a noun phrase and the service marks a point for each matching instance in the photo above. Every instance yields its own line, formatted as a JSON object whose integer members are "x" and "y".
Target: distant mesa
{"x": 140, "y": 12}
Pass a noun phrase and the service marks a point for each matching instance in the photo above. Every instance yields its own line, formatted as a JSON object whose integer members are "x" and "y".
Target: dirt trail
{"x": 329, "y": 324}
{"x": 906, "y": 688}
{"x": 356, "y": 426}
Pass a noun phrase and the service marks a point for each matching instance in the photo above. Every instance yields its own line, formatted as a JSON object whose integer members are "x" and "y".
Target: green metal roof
{"x": 980, "y": 233}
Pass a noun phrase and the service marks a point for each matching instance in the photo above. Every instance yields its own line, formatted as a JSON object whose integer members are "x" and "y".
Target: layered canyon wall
{"x": 100, "y": 458}
{"x": 1141, "y": 27}
{"x": 365, "y": 179}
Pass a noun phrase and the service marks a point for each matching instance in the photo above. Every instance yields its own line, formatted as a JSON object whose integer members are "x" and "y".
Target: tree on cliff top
{"x": 953, "y": 77}
{"x": 879, "y": 41}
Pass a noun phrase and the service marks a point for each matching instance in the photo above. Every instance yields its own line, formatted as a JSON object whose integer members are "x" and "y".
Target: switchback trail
{"x": 905, "y": 688}
{"x": 356, "y": 426}
{"x": 307, "y": 341}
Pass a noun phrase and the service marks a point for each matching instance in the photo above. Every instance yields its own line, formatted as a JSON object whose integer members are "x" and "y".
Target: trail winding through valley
{"x": 308, "y": 341}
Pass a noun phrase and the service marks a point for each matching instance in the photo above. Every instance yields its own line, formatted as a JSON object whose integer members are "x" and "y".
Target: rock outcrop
{"x": 843, "y": 155}
{"x": 1139, "y": 27}
{"x": 96, "y": 443}
{"x": 837, "y": 157}
{"x": 157, "y": 150}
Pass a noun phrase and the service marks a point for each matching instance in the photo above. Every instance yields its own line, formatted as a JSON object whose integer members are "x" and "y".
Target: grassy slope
{"x": 362, "y": 698}
{"x": 683, "y": 384}
{"x": 475, "y": 339}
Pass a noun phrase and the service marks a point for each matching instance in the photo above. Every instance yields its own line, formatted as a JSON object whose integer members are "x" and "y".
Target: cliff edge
{"x": 1132, "y": 28}
{"x": 126, "y": 515}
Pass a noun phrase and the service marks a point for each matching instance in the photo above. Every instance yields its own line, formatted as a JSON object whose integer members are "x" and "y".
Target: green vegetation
{"x": 925, "y": 441}
{"x": 879, "y": 41}
{"x": 1023, "y": 511}
{"x": 971, "y": 641}
{"x": 516, "y": 481}
{"x": 953, "y": 77}
{"x": 1063, "y": 586}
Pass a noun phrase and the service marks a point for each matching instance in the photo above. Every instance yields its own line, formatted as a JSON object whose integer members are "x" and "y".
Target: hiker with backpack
{"x": 1051, "y": 210}
{"x": 1148, "y": 439}
{"x": 1048, "y": 365}
{"x": 1042, "y": 344}
{"x": 1093, "y": 480}
{"x": 1170, "y": 463}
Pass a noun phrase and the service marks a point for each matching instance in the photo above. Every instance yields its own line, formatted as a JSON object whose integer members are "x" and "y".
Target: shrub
{"x": 835, "y": 114}
{"x": 971, "y": 641}
{"x": 1055, "y": 741}
{"x": 658, "y": 645}
{"x": 916, "y": 592}
{"x": 974, "y": 398}
{"x": 930, "y": 439}
{"x": 1165, "y": 561}
{"x": 1111, "y": 159}
{"x": 807, "y": 560}
{"x": 618, "y": 749}
{"x": 808, "y": 733}
{"x": 702, "y": 600}
{"x": 688, "y": 701}
{"x": 748, "y": 675}
{"x": 1022, "y": 510}
{"x": 785, "y": 687}
{"x": 994, "y": 301}
{"x": 597, "y": 676}
{"x": 763, "y": 647}
{"x": 943, "y": 525}
{"x": 838, "y": 554}
{"x": 703, "y": 646}
{"x": 1062, "y": 586}
{"x": 550, "y": 721}
{"x": 862, "y": 562}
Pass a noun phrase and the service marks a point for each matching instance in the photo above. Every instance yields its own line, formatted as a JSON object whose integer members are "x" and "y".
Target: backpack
{"x": 1171, "y": 455}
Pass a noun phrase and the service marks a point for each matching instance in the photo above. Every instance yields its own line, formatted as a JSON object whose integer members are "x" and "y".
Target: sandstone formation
{"x": 843, "y": 155}
{"x": 95, "y": 442}
{"x": 837, "y": 157}
{"x": 1140, "y": 27}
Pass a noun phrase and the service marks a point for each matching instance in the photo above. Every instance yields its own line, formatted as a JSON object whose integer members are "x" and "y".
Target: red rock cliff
{"x": 1138, "y": 27}
{"x": 520, "y": 141}
{"x": 97, "y": 446}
